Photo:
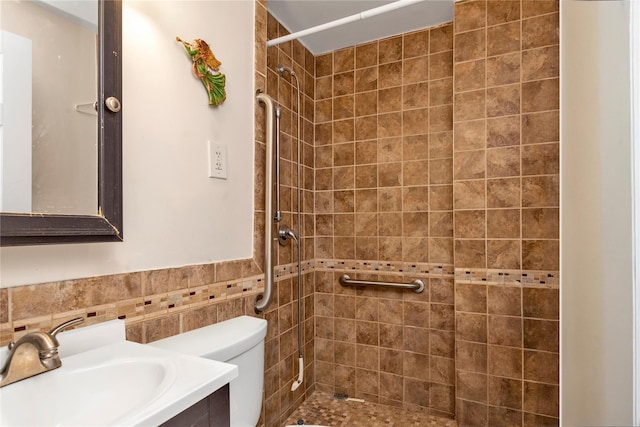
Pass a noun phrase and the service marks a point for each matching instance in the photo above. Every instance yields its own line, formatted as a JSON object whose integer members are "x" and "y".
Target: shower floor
{"x": 321, "y": 408}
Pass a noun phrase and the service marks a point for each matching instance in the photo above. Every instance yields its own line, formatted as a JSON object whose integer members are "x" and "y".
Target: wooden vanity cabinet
{"x": 212, "y": 411}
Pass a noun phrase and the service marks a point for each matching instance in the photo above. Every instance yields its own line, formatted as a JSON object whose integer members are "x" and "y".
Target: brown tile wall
{"x": 421, "y": 152}
{"x": 384, "y": 135}
{"x": 384, "y": 149}
{"x": 506, "y": 211}
{"x": 281, "y": 360}
{"x": 506, "y": 111}
{"x": 385, "y": 345}
{"x": 295, "y": 56}
{"x": 507, "y": 348}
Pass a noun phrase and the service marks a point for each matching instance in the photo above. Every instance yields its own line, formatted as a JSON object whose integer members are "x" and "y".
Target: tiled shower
{"x": 436, "y": 157}
{"x": 432, "y": 155}
{"x": 384, "y": 211}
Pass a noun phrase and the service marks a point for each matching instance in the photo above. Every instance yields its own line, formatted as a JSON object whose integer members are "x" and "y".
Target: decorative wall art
{"x": 207, "y": 68}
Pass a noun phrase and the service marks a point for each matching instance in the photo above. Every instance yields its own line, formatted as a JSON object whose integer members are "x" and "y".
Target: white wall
{"x": 596, "y": 246}
{"x": 174, "y": 215}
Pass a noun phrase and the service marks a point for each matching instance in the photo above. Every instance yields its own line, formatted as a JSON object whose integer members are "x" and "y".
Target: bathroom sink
{"x": 121, "y": 384}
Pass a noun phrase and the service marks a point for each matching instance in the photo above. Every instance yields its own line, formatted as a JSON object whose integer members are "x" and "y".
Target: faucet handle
{"x": 55, "y": 330}
{"x": 65, "y": 325}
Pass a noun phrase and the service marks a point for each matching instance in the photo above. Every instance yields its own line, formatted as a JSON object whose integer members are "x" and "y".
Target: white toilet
{"x": 239, "y": 341}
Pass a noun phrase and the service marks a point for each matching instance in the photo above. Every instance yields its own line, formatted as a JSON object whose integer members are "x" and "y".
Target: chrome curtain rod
{"x": 417, "y": 285}
{"x": 352, "y": 18}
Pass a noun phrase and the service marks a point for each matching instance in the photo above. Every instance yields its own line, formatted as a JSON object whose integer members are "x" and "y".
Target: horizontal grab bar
{"x": 417, "y": 285}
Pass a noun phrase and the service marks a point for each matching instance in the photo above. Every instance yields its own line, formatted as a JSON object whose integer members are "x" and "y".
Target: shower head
{"x": 280, "y": 69}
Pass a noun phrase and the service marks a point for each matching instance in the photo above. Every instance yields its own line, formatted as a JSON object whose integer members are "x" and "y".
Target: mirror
{"x": 73, "y": 182}
{"x": 50, "y": 126}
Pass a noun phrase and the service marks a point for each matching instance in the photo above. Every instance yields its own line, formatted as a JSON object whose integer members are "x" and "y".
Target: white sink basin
{"x": 119, "y": 384}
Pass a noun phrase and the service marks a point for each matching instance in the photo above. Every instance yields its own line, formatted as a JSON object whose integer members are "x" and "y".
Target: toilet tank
{"x": 239, "y": 341}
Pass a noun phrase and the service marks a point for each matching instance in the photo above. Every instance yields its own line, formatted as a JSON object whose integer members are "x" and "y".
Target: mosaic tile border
{"x": 394, "y": 267}
{"x": 287, "y": 271}
{"x": 527, "y": 278}
{"x": 180, "y": 300}
{"x": 522, "y": 278}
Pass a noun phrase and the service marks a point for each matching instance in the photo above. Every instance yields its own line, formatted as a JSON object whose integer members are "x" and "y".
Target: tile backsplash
{"x": 184, "y": 294}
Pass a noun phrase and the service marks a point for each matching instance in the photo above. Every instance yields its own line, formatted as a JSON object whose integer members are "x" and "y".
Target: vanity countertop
{"x": 122, "y": 383}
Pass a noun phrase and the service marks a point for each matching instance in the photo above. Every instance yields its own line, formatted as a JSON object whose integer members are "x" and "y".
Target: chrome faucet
{"x": 33, "y": 354}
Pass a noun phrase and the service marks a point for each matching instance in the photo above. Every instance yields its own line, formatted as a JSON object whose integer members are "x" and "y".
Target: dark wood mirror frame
{"x": 106, "y": 225}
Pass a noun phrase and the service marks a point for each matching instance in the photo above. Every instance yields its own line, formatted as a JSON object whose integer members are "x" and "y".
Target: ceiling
{"x": 296, "y": 15}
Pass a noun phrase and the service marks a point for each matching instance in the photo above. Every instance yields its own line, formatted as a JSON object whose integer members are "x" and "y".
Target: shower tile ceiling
{"x": 298, "y": 15}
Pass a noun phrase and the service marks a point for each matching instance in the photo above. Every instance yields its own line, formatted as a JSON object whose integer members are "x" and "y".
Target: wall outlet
{"x": 217, "y": 160}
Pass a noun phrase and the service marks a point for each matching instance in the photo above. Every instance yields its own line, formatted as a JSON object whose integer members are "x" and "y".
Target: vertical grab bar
{"x": 278, "y": 215}
{"x": 262, "y": 304}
